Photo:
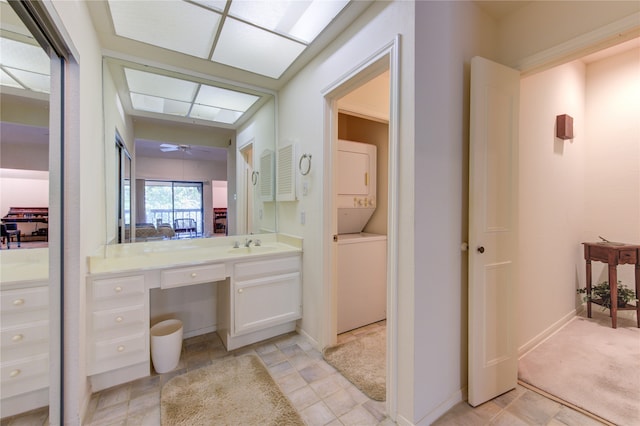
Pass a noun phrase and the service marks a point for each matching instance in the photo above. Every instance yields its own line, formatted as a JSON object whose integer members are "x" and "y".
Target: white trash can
{"x": 166, "y": 345}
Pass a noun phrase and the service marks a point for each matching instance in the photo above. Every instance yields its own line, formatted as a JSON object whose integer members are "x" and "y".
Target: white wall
{"x": 260, "y": 131}
{"x": 612, "y": 172}
{"x": 552, "y": 199}
{"x": 301, "y": 121}
{"x": 219, "y": 194}
{"x": 448, "y": 35}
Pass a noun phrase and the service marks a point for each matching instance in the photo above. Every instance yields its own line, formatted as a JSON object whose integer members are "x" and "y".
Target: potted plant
{"x": 601, "y": 294}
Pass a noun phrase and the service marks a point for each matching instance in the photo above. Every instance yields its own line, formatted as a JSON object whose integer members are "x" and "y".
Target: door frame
{"x": 385, "y": 58}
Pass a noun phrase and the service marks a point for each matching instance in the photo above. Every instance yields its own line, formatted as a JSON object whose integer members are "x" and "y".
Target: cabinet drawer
{"x": 628, "y": 256}
{"x": 117, "y": 353}
{"x": 110, "y": 288}
{"x": 192, "y": 275}
{"x": 118, "y": 319}
{"x": 25, "y": 375}
{"x": 25, "y": 340}
{"x": 246, "y": 270}
{"x": 24, "y": 300}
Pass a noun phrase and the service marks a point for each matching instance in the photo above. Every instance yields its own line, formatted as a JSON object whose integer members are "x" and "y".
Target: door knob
{"x": 481, "y": 249}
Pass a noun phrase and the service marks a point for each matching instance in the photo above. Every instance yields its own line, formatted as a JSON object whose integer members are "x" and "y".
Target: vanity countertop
{"x": 17, "y": 266}
{"x": 171, "y": 253}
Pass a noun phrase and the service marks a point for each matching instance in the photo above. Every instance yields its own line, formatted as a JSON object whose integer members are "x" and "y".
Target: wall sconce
{"x": 564, "y": 127}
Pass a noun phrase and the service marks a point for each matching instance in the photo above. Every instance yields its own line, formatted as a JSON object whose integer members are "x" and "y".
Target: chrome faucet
{"x": 247, "y": 242}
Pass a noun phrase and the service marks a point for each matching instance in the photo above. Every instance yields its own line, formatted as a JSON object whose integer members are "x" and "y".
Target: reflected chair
{"x": 185, "y": 225}
{"x": 9, "y": 230}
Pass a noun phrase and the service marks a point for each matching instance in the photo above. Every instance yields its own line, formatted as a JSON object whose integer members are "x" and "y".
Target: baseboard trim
{"x": 548, "y": 332}
{"x": 311, "y": 340}
{"x": 455, "y": 398}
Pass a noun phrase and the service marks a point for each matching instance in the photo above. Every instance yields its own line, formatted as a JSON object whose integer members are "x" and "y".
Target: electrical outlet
{"x": 303, "y": 217}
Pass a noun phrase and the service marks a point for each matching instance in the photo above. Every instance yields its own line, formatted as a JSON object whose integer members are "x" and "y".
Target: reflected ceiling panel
{"x": 161, "y": 86}
{"x": 225, "y": 99}
{"x": 162, "y": 94}
{"x": 24, "y": 65}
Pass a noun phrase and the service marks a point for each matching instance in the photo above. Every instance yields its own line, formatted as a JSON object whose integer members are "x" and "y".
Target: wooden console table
{"x": 613, "y": 254}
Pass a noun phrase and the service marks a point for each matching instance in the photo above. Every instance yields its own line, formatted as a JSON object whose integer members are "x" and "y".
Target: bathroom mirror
{"x": 195, "y": 146}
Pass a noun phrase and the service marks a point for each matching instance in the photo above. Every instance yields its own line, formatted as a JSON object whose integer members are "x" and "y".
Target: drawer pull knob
{"x": 17, "y": 337}
{"x": 193, "y": 275}
{"x": 119, "y": 319}
{"x": 121, "y": 348}
{"x": 18, "y": 302}
{"x": 118, "y": 289}
{"x": 15, "y": 373}
{"x": 240, "y": 290}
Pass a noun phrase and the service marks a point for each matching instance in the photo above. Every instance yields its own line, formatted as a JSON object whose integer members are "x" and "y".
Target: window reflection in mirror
{"x": 123, "y": 182}
{"x": 166, "y": 147}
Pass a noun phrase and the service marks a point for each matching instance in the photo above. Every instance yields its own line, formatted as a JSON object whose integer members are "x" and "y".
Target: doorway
{"x": 384, "y": 61}
{"x": 245, "y": 201}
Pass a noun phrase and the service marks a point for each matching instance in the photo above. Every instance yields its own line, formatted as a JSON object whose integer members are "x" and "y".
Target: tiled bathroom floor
{"x": 319, "y": 393}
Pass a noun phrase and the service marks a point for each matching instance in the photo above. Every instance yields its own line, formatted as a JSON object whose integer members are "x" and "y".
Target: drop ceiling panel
{"x": 159, "y": 85}
{"x": 24, "y": 56}
{"x": 253, "y": 49}
{"x": 159, "y": 105}
{"x": 6, "y": 80}
{"x": 225, "y": 99}
{"x": 173, "y": 25}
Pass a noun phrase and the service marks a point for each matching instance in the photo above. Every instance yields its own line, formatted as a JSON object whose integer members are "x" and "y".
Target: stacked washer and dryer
{"x": 362, "y": 257}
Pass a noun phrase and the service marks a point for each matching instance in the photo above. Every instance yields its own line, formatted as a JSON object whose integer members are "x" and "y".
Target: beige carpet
{"x": 591, "y": 365}
{"x": 363, "y": 362}
{"x": 235, "y": 391}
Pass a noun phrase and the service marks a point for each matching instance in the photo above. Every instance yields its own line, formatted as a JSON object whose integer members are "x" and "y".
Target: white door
{"x": 493, "y": 217}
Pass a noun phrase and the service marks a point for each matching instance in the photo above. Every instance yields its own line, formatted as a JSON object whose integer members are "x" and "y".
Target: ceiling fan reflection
{"x": 168, "y": 147}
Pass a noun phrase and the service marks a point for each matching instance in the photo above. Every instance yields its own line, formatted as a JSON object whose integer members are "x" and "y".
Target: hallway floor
{"x": 319, "y": 393}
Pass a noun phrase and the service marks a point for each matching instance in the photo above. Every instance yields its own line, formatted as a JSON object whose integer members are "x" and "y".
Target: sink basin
{"x": 252, "y": 250}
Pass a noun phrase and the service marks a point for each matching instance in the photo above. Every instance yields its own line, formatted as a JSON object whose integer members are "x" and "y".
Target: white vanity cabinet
{"x": 257, "y": 296}
{"x": 265, "y": 300}
{"x": 118, "y": 323}
{"x": 24, "y": 358}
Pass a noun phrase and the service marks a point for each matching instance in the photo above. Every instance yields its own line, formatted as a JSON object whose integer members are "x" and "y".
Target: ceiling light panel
{"x": 302, "y": 19}
{"x": 205, "y": 112}
{"x": 25, "y": 66}
{"x": 175, "y": 25}
{"x": 225, "y": 99}
{"x": 31, "y": 80}
{"x": 252, "y": 49}
{"x": 7, "y": 80}
{"x": 160, "y": 85}
{"x": 159, "y": 105}
{"x": 218, "y": 5}
{"x": 24, "y": 56}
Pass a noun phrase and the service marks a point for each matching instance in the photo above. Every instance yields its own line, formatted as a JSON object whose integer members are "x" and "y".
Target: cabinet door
{"x": 265, "y": 302}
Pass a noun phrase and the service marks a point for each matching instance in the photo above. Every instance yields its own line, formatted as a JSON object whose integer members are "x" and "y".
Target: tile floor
{"x": 319, "y": 393}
